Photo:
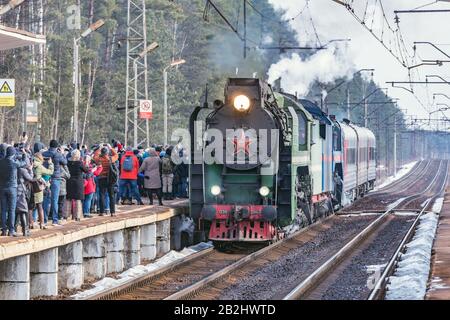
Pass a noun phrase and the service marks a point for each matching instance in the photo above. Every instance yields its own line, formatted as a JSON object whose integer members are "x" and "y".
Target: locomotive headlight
{"x": 215, "y": 190}
{"x": 264, "y": 191}
{"x": 241, "y": 103}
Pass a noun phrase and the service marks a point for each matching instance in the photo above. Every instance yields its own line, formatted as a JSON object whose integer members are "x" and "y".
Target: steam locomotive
{"x": 265, "y": 164}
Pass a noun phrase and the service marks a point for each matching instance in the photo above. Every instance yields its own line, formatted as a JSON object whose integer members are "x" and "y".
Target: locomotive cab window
{"x": 302, "y": 131}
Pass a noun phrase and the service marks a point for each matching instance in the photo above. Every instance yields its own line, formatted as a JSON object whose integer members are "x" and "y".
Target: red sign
{"x": 146, "y": 109}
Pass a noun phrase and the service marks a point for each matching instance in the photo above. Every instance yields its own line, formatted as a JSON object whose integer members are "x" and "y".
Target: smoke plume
{"x": 298, "y": 74}
{"x": 325, "y": 66}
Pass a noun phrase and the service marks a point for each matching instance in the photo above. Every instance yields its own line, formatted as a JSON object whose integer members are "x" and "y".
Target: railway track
{"x": 320, "y": 283}
{"x": 215, "y": 275}
{"x": 413, "y": 183}
{"x": 172, "y": 278}
{"x": 214, "y": 286}
{"x": 418, "y": 168}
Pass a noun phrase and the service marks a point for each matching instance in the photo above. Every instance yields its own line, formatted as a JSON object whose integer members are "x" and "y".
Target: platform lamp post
{"x": 76, "y": 74}
{"x": 173, "y": 64}
{"x": 146, "y": 51}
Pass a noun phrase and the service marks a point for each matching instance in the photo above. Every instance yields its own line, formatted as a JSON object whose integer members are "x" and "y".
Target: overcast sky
{"x": 334, "y": 21}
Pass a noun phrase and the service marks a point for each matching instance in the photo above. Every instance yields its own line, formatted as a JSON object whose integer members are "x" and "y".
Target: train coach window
{"x": 302, "y": 130}
{"x": 371, "y": 153}
{"x": 351, "y": 156}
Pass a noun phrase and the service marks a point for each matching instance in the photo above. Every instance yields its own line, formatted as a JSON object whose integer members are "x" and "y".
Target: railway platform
{"x": 439, "y": 286}
{"x": 69, "y": 256}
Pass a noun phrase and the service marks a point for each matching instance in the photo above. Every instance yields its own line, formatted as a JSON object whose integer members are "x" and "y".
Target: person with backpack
{"x": 128, "y": 176}
{"x": 167, "y": 168}
{"x": 107, "y": 158}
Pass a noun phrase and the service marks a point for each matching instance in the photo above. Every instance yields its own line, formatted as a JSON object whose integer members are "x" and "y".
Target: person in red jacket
{"x": 89, "y": 184}
{"x": 129, "y": 169}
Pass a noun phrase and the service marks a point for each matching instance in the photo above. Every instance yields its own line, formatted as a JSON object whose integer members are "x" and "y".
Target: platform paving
{"x": 439, "y": 286}
{"x": 71, "y": 231}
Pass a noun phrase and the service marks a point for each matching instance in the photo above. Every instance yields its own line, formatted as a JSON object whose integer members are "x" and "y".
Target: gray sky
{"x": 334, "y": 21}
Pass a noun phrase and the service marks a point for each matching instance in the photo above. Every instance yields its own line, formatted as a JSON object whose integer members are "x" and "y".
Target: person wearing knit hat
{"x": 8, "y": 190}
{"x": 51, "y": 198}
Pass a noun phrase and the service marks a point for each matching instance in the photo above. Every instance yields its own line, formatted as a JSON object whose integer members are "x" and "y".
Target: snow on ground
{"x": 140, "y": 270}
{"x": 405, "y": 213}
{"x": 437, "y": 206}
{"x": 409, "y": 281}
{"x": 401, "y": 173}
{"x": 394, "y": 204}
{"x": 360, "y": 214}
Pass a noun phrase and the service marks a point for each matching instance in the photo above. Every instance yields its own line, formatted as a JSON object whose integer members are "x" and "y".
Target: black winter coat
{"x": 24, "y": 178}
{"x": 8, "y": 172}
{"x": 75, "y": 185}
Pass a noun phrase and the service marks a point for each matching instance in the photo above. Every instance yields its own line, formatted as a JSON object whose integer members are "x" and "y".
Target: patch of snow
{"x": 395, "y": 204}
{"x": 436, "y": 283}
{"x": 405, "y": 213}
{"x": 362, "y": 214}
{"x": 437, "y": 206}
{"x": 409, "y": 281}
{"x": 400, "y": 174}
{"x": 141, "y": 270}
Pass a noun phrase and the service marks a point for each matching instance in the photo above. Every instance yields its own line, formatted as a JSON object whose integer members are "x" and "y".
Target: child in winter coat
{"x": 89, "y": 184}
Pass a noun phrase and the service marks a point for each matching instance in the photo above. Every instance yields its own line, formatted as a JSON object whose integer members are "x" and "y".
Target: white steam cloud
{"x": 298, "y": 75}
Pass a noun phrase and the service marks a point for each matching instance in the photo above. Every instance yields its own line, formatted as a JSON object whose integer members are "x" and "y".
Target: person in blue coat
{"x": 8, "y": 190}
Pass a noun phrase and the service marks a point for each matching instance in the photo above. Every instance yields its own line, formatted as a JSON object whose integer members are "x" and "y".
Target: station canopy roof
{"x": 11, "y": 38}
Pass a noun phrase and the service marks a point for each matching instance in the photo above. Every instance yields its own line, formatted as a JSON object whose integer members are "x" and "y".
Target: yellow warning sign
{"x": 5, "y": 88}
{"x": 7, "y": 93}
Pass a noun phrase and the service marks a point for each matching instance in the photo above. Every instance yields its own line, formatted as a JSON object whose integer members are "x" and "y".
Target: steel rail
{"x": 420, "y": 174}
{"x": 404, "y": 179}
{"x": 193, "y": 289}
{"x": 145, "y": 279}
{"x": 379, "y": 290}
{"x": 315, "y": 278}
{"x": 430, "y": 186}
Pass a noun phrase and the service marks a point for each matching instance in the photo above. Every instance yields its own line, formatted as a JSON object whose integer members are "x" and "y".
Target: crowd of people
{"x": 61, "y": 182}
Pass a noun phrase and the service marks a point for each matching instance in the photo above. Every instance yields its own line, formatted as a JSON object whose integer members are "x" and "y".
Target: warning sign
{"x": 7, "y": 93}
{"x": 32, "y": 111}
{"x": 146, "y": 109}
